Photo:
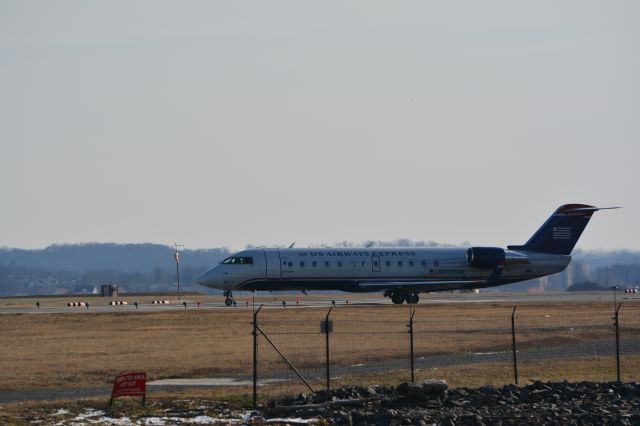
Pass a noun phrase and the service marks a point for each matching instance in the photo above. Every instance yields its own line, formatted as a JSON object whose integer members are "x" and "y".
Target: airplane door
{"x": 272, "y": 258}
{"x": 375, "y": 263}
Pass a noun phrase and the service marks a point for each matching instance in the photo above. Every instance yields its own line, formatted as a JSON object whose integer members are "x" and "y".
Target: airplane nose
{"x": 205, "y": 278}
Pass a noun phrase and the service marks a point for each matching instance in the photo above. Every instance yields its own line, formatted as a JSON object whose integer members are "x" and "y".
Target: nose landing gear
{"x": 228, "y": 297}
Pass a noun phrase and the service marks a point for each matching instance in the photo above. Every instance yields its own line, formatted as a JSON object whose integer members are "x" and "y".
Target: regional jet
{"x": 403, "y": 272}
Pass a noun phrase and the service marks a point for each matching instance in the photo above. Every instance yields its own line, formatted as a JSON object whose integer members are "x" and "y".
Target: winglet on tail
{"x": 560, "y": 233}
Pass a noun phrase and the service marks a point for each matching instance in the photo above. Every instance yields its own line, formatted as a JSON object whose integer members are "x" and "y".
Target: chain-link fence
{"x": 304, "y": 350}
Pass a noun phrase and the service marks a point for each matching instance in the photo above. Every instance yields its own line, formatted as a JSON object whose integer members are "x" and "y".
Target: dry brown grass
{"x": 365, "y": 334}
{"x": 72, "y": 350}
{"x": 501, "y": 373}
{"x": 474, "y": 375}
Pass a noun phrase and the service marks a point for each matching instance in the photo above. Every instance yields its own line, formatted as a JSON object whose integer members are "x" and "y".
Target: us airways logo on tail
{"x": 562, "y": 233}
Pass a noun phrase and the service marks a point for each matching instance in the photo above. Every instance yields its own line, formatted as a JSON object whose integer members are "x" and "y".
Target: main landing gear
{"x": 228, "y": 297}
{"x": 412, "y": 298}
{"x": 399, "y": 297}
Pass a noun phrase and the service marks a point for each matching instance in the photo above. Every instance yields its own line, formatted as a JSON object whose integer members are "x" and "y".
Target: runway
{"x": 275, "y": 301}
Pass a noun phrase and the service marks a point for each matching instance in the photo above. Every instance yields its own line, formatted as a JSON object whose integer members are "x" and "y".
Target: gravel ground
{"x": 423, "y": 403}
{"x": 429, "y": 402}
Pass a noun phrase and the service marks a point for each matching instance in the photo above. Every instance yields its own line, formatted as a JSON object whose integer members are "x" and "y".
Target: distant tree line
{"x": 23, "y": 281}
{"x": 81, "y": 268}
{"x": 96, "y": 256}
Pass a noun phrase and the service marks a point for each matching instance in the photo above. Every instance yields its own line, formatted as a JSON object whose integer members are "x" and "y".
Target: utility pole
{"x": 177, "y": 258}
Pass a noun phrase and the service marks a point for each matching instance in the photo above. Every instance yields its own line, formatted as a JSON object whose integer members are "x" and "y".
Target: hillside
{"x": 80, "y": 268}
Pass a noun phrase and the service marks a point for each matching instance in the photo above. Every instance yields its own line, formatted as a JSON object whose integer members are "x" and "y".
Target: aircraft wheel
{"x": 228, "y": 302}
{"x": 413, "y": 298}
{"x": 397, "y": 298}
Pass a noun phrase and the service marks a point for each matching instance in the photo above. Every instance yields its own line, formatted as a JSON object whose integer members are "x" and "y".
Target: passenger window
{"x": 302, "y": 264}
{"x": 314, "y": 264}
{"x": 411, "y": 263}
{"x": 290, "y": 264}
{"x": 399, "y": 263}
{"x": 435, "y": 263}
{"x": 326, "y": 263}
{"x": 376, "y": 263}
{"x": 388, "y": 263}
{"x": 340, "y": 263}
{"x": 424, "y": 263}
{"x": 364, "y": 263}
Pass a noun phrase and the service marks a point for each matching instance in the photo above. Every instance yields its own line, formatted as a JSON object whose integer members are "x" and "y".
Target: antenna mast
{"x": 176, "y": 256}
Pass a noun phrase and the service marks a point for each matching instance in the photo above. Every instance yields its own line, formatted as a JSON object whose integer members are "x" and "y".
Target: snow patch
{"x": 292, "y": 420}
{"x": 204, "y": 420}
{"x": 155, "y": 421}
{"x": 88, "y": 413}
{"x": 120, "y": 421}
{"x": 246, "y": 416}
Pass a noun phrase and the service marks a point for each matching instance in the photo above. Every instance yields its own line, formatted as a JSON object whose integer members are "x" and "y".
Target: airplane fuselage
{"x": 363, "y": 269}
{"x": 403, "y": 273}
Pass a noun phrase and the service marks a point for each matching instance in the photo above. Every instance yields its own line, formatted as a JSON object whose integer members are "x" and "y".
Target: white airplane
{"x": 402, "y": 273}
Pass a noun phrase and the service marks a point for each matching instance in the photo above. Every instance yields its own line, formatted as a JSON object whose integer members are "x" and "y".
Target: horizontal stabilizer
{"x": 593, "y": 209}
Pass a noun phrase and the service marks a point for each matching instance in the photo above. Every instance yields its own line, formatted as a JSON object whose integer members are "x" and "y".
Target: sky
{"x": 248, "y": 122}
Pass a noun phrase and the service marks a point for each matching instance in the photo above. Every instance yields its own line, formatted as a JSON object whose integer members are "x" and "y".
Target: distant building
{"x": 109, "y": 290}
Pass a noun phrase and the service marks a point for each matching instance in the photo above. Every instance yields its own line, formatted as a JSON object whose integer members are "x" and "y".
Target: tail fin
{"x": 561, "y": 231}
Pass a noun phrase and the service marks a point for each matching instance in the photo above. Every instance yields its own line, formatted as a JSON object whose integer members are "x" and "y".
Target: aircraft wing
{"x": 493, "y": 278}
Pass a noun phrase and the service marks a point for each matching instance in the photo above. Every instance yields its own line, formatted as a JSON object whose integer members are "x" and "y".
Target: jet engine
{"x": 492, "y": 257}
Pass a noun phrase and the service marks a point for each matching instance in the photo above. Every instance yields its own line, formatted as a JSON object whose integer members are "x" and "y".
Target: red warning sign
{"x": 130, "y": 384}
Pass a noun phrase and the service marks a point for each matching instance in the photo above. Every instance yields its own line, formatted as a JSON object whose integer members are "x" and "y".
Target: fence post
{"x": 513, "y": 344}
{"x": 617, "y": 325}
{"x": 255, "y": 357}
{"x": 413, "y": 378}
{"x": 326, "y": 331}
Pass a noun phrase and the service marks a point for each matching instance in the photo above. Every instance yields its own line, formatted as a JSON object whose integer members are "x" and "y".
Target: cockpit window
{"x": 238, "y": 260}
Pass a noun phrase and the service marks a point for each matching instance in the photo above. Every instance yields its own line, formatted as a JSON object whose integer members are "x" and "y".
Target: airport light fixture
{"x": 176, "y": 256}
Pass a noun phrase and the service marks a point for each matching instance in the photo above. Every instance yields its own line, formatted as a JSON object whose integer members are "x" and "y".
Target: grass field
{"x": 70, "y": 350}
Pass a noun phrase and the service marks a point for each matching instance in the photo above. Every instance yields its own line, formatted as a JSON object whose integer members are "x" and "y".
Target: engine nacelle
{"x": 485, "y": 257}
{"x": 492, "y": 257}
